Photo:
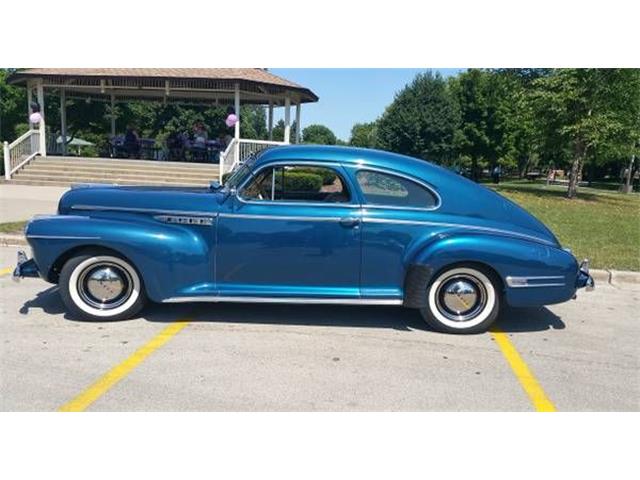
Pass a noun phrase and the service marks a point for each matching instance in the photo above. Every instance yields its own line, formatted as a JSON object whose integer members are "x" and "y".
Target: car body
{"x": 383, "y": 229}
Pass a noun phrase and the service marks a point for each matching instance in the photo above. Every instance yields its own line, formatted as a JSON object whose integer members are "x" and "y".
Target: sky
{"x": 349, "y": 95}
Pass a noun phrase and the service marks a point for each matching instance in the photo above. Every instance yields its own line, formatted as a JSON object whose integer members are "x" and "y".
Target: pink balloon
{"x": 35, "y": 117}
{"x": 231, "y": 120}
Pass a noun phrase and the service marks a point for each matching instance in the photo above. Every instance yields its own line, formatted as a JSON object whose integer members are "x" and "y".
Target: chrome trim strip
{"x": 142, "y": 210}
{"x": 456, "y": 225}
{"x": 63, "y": 237}
{"x": 406, "y": 177}
{"x": 297, "y": 300}
{"x": 523, "y": 282}
{"x": 292, "y": 218}
{"x": 185, "y": 220}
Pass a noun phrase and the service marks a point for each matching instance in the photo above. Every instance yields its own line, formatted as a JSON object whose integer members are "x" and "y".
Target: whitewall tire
{"x": 101, "y": 286}
{"x": 462, "y": 299}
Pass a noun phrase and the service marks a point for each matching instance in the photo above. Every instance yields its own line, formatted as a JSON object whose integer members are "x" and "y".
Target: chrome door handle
{"x": 349, "y": 221}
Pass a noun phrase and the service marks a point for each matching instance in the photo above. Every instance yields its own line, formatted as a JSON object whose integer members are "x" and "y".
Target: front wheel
{"x": 463, "y": 299}
{"x": 100, "y": 286}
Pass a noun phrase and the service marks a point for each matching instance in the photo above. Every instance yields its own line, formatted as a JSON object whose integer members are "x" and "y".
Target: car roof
{"x": 347, "y": 155}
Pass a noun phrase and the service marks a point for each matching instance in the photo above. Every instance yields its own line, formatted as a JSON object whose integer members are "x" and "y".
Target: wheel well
{"x": 480, "y": 266}
{"x": 419, "y": 277}
{"x": 54, "y": 272}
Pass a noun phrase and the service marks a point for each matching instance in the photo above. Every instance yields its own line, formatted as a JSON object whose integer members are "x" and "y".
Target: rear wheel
{"x": 101, "y": 286}
{"x": 462, "y": 299}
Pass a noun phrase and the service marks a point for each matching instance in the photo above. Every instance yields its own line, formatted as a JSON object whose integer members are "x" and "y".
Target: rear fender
{"x": 507, "y": 257}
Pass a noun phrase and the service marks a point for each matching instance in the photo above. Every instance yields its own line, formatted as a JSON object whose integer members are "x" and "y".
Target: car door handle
{"x": 349, "y": 221}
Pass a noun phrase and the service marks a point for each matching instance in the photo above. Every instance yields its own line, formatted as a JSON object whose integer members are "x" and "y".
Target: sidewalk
{"x": 21, "y": 202}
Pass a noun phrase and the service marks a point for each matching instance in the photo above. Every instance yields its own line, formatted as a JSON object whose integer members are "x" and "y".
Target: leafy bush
{"x": 299, "y": 182}
{"x": 327, "y": 175}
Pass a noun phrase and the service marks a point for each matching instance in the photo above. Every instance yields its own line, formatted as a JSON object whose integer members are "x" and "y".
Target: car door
{"x": 396, "y": 215}
{"x": 292, "y": 230}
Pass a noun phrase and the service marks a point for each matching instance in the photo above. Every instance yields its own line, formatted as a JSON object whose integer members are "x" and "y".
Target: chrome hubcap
{"x": 461, "y": 297}
{"x": 104, "y": 286}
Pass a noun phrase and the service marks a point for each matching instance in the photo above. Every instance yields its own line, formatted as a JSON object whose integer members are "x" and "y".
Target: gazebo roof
{"x": 257, "y": 85}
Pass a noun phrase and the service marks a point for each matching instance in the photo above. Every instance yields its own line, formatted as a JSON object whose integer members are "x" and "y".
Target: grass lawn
{"x": 12, "y": 227}
{"x": 601, "y": 226}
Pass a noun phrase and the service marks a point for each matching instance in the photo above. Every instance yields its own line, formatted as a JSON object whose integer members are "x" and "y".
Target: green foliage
{"x": 318, "y": 134}
{"x": 421, "y": 121}
{"x": 327, "y": 175}
{"x": 299, "y": 182}
{"x": 364, "y": 135}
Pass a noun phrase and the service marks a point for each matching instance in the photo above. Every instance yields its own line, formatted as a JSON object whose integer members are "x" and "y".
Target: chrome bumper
{"x": 25, "y": 267}
{"x": 584, "y": 279}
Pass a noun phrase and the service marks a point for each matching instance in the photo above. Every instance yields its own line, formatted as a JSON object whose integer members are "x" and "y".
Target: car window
{"x": 297, "y": 183}
{"x": 390, "y": 190}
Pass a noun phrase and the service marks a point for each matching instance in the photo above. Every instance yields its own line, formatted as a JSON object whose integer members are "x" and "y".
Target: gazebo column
{"x": 237, "y": 111}
{"x": 287, "y": 120}
{"x": 270, "y": 123}
{"x": 298, "y": 127}
{"x": 42, "y": 127}
{"x": 63, "y": 120}
{"x": 29, "y": 102}
{"x": 113, "y": 115}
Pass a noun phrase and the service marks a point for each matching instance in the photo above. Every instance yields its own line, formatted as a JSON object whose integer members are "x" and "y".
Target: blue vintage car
{"x": 305, "y": 224}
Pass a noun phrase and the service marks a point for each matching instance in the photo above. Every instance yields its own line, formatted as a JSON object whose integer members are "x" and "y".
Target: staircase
{"x": 64, "y": 171}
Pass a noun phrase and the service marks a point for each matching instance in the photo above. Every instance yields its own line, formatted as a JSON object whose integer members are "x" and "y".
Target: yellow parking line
{"x": 117, "y": 373}
{"x": 5, "y": 271}
{"x": 520, "y": 369}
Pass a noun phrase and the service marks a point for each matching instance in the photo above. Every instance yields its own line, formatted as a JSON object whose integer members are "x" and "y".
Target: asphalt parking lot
{"x": 579, "y": 356}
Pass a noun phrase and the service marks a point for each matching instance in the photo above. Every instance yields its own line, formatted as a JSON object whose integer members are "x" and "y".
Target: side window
{"x": 297, "y": 183}
{"x": 393, "y": 191}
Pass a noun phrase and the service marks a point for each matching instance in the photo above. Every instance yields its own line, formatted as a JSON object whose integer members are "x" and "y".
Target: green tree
{"x": 13, "y": 107}
{"x": 364, "y": 135}
{"x": 590, "y": 111}
{"x": 318, "y": 134}
{"x": 421, "y": 121}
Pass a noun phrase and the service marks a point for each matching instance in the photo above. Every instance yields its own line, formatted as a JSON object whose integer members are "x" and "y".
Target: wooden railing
{"x": 239, "y": 150}
{"x": 21, "y": 151}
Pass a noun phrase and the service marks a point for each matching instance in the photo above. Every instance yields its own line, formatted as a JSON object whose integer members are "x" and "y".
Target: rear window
{"x": 390, "y": 190}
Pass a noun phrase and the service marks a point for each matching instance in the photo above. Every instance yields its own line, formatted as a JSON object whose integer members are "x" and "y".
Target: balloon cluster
{"x": 36, "y": 116}
{"x": 231, "y": 120}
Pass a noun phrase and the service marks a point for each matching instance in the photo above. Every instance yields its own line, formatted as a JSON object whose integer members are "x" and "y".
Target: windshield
{"x": 239, "y": 175}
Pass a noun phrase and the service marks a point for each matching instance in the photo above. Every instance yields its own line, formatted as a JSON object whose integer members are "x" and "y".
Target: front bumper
{"x": 584, "y": 279}
{"x": 25, "y": 267}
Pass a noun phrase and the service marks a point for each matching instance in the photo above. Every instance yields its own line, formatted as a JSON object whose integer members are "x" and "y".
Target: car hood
{"x": 140, "y": 199}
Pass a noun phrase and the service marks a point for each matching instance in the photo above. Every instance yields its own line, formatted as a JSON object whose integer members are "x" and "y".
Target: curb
{"x": 612, "y": 277}
{"x": 9, "y": 240}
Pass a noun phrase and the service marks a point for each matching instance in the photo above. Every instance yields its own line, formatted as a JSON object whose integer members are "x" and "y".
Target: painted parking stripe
{"x": 522, "y": 372}
{"x": 5, "y": 271}
{"x": 117, "y": 373}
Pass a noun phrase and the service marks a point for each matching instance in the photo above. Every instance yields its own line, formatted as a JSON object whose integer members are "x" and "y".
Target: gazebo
{"x": 202, "y": 86}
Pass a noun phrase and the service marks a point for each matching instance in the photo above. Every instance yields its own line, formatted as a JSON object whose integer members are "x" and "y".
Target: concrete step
{"x": 67, "y": 183}
{"x": 144, "y": 163}
{"x": 95, "y": 173}
{"x": 112, "y": 166}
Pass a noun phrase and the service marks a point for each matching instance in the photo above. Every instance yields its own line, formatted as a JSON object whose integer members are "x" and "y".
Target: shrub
{"x": 299, "y": 182}
{"x": 328, "y": 176}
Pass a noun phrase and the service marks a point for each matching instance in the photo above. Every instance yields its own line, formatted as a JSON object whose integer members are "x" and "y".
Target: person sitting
{"x": 132, "y": 142}
{"x": 199, "y": 146}
{"x": 176, "y": 146}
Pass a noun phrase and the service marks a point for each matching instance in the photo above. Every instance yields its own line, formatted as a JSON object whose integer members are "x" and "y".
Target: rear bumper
{"x": 25, "y": 267}
{"x": 584, "y": 279}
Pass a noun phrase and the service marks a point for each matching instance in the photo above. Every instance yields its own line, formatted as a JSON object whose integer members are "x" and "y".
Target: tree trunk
{"x": 576, "y": 168}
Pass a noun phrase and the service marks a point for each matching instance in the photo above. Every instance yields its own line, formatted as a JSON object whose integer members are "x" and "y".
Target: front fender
{"x": 508, "y": 257}
{"x": 169, "y": 257}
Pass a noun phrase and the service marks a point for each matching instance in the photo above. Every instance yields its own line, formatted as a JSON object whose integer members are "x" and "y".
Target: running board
{"x": 311, "y": 301}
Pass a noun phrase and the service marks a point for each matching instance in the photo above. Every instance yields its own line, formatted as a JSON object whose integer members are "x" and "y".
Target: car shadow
{"x": 511, "y": 319}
